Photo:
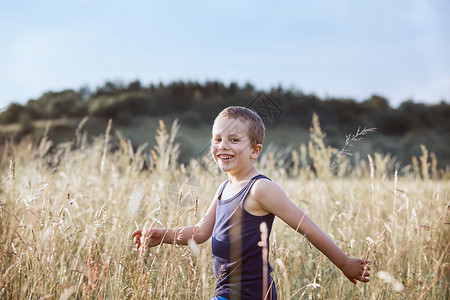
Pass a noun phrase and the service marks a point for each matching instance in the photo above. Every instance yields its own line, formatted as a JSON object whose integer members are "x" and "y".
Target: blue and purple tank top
{"x": 237, "y": 255}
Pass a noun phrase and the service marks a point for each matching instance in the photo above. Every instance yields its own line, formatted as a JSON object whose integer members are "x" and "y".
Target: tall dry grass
{"x": 67, "y": 213}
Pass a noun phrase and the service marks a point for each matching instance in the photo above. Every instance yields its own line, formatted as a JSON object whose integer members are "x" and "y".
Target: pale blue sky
{"x": 398, "y": 49}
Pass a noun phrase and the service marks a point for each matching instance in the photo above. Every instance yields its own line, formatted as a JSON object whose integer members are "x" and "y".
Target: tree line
{"x": 195, "y": 103}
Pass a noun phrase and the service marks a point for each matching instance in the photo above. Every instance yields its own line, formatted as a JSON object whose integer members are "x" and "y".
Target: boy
{"x": 241, "y": 213}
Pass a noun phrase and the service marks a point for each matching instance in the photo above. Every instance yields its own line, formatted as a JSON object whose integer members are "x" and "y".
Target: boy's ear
{"x": 256, "y": 151}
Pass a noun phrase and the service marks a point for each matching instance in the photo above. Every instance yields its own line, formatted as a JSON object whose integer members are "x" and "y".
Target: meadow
{"x": 67, "y": 212}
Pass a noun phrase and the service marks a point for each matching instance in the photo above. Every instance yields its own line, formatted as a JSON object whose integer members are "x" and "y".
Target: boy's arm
{"x": 200, "y": 233}
{"x": 273, "y": 199}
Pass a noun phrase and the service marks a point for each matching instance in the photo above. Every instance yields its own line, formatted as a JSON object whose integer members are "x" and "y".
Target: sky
{"x": 333, "y": 48}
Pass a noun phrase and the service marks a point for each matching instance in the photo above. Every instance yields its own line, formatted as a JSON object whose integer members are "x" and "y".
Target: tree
{"x": 376, "y": 103}
{"x": 12, "y": 113}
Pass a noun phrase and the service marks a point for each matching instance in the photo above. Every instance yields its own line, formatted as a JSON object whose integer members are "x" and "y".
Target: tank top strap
{"x": 219, "y": 195}
{"x": 243, "y": 193}
{"x": 249, "y": 185}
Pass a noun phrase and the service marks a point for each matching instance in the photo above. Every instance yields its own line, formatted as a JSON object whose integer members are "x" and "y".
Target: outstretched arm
{"x": 353, "y": 268}
{"x": 273, "y": 199}
{"x": 200, "y": 233}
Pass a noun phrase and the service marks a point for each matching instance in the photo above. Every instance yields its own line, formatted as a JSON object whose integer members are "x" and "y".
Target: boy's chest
{"x": 250, "y": 203}
{"x": 231, "y": 191}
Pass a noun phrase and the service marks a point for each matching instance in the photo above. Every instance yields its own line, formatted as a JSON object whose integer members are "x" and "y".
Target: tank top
{"x": 237, "y": 258}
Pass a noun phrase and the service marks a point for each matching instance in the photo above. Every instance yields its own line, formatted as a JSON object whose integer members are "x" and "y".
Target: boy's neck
{"x": 244, "y": 176}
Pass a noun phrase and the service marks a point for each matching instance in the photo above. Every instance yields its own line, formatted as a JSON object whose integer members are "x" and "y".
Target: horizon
{"x": 297, "y": 92}
{"x": 399, "y": 51}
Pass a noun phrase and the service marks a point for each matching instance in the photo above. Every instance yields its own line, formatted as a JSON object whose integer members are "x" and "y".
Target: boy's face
{"x": 230, "y": 146}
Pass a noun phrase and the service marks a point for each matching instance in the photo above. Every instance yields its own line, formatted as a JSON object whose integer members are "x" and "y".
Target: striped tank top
{"x": 237, "y": 255}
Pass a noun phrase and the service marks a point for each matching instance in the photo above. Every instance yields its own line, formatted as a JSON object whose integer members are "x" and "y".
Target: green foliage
{"x": 376, "y": 103}
{"x": 25, "y": 123}
{"x": 111, "y": 106}
{"x": 55, "y": 105}
{"x": 191, "y": 118}
{"x": 12, "y": 114}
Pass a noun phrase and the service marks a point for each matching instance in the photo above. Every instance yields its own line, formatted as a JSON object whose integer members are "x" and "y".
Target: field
{"x": 67, "y": 213}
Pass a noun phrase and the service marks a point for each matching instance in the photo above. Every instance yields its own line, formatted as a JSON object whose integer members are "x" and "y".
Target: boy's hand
{"x": 147, "y": 238}
{"x": 356, "y": 269}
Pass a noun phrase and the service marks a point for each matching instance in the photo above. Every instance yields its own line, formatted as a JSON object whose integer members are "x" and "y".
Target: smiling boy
{"x": 241, "y": 204}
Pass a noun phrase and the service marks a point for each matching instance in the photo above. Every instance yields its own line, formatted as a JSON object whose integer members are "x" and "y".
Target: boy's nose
{"x": 223, "y": 145}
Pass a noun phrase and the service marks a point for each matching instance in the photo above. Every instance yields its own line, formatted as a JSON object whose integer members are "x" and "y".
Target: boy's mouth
{"x": 225, "y": 156}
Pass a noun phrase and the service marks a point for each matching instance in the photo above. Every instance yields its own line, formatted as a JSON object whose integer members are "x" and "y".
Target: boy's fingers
{"x": 137, "y": 241}
{"x": 364, "y": 277}
{"x": 136, "y": 232}
{"x": 353, "y": 280}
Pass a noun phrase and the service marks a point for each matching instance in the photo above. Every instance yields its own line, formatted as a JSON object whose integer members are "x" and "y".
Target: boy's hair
{"x": 255, "y": 123}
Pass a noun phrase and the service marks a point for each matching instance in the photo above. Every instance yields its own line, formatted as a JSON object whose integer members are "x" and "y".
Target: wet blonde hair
{"x": 255, "y": 123}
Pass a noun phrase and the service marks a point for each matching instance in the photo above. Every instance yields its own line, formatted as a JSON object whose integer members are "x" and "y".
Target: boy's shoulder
{"x": 265, "y": 186}
{"x": 265, "y": 197}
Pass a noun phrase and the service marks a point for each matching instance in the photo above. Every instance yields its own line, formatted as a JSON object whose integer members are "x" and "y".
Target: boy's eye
{"x": 233, "y": 140}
